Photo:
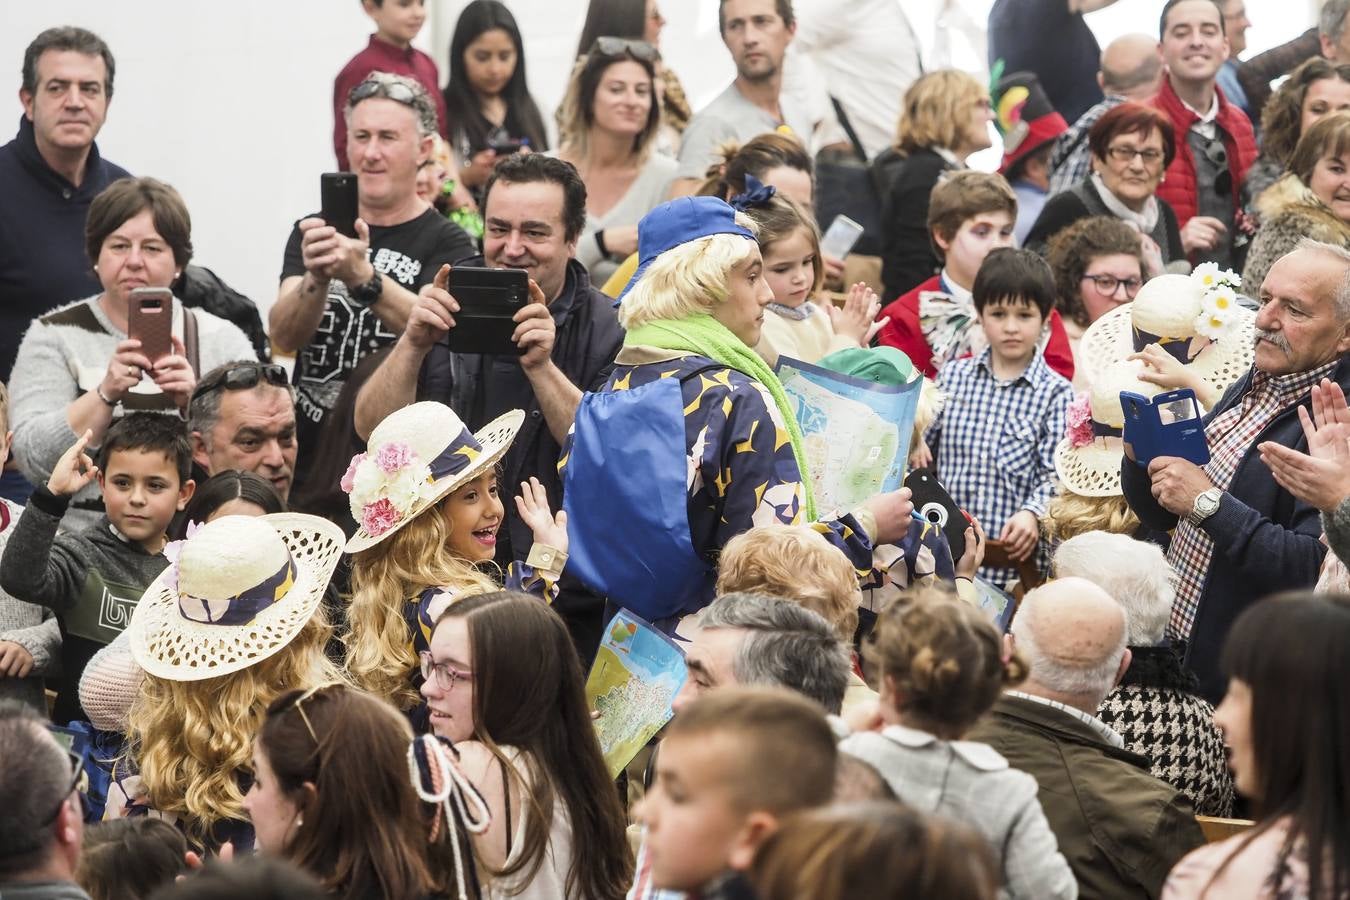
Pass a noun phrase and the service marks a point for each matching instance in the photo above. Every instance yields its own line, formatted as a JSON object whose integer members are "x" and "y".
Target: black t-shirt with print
{"x": 410, "y": 253}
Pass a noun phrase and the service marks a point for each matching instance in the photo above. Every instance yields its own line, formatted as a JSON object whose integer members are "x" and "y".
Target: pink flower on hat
{"x": 393, "y": 456}
{"x": 379, "y": 517}
{"x": 349, "y": 479}
{"x": 171, "y": 551}
{"x": 1078, "y": 422}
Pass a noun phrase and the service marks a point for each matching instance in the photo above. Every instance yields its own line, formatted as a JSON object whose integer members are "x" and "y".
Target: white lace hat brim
{"x": 1092, "y": 470}
{"x": 495, "y": 438}
{"x": 1110, "y": 339}
{"x": 168, "y": 645}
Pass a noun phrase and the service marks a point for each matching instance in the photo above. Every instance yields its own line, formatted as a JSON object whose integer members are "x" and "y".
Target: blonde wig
{"x": 688, "y": 279}
{"x": 394, "y": 572}
{"x": 1071, "y": 514}
{"x": 190, "y": 740}
{"x": 796, "y": 563}
{"x": 936, "y": 111}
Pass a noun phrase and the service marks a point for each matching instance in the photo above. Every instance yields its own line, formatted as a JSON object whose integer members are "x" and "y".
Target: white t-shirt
{"x": 865, "y": 54}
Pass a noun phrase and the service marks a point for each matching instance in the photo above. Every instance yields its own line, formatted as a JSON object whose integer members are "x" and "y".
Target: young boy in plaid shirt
{"x": 995, "y": 438}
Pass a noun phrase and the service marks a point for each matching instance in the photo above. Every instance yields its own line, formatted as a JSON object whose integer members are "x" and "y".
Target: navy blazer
{"x": 1265, "y": 541}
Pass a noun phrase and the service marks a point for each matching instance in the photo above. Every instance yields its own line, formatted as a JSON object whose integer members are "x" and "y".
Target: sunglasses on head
{"x": 613, "y": 46}
{"x": 387, "y": 90}
{"x": 242, "y": 377}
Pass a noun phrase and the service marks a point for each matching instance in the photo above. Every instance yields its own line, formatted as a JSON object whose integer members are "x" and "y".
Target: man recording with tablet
{"x": 567, "y": 335}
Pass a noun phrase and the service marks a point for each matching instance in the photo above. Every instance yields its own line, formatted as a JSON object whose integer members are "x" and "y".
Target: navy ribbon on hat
{"x": 243, "y": 607}
{"x": 458, "y": 456}
{"x": 1102, "y": 430}
{"x": 756, "y": 194}
{"x": 1176, "y": 347}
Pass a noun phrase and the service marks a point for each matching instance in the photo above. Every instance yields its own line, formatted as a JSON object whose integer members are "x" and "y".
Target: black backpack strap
{"x": 848, "y": 128}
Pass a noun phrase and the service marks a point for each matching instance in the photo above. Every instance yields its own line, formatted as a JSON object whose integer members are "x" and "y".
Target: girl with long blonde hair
{"x": 427, "y": 499}
{"x": 233, "y": 622}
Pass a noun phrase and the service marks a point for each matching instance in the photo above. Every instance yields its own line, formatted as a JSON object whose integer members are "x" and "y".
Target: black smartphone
{"x": 488, "y": 300}
{"x": 505, "y": 148}
{"x": 337, "y": 194}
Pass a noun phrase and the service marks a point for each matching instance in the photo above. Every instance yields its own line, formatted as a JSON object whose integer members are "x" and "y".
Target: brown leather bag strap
{"x": 190, "y": 343}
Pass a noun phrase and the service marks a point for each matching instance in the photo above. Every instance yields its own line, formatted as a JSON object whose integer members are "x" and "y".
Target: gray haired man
{"x": 750, "y": 639}
{"x": 43, "y": 825}
{"x": 343, "y": 297}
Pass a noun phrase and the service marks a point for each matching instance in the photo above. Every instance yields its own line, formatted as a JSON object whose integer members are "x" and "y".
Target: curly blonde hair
{"x": 394, "y": 572}
{"x": 796, "y": 563}
{"x": 944, "y": 657}
{"x": 190, "y": 740}
{"x": 1071, "y": 514}
{"x": 688, "y": 279}
{"x": 936, "y": 110}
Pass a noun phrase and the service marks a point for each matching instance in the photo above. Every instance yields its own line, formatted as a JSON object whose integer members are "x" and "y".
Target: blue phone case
{"x": 1168, "y": 424}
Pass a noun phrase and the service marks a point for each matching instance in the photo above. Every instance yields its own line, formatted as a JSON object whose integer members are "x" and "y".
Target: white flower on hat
{"x": 1218, "y": 306}
{"x": 385, "y": 485}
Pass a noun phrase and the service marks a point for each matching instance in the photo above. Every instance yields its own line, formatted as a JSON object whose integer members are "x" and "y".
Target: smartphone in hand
{"x": 337, "y": 192}
{"x": 488, "y": 302}
{"x": 150, "y": 321}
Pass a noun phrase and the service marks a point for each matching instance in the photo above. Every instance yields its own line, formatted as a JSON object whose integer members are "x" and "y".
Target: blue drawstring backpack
{"x": 626, "y": 495}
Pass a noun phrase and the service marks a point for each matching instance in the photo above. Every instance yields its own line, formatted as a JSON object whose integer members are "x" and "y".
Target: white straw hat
{"x": 238, "y": 590}
{"x": 1092, "y": 468}
{"x": 416, "y": 456}
{"x": 1165, "y": 313}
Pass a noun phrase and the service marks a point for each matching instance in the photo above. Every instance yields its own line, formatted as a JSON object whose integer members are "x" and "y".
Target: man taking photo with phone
{"x": 342, "y": 298}
{"x": 534, "y": 210}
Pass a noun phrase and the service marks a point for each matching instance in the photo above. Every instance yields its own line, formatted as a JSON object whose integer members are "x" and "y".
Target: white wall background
{"x": 231, "y": 102}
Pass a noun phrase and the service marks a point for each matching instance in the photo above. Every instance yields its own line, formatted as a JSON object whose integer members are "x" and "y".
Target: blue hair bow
{"x": 756, "y": 194}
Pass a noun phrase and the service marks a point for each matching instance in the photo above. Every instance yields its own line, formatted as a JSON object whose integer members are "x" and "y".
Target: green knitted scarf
{"x": 704, "y": 335}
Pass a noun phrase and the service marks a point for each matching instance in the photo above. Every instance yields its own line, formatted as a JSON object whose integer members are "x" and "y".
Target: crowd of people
{"x": 308, "y": 609}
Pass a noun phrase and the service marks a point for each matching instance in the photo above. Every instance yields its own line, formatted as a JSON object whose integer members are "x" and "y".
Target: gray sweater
{"x": 65, "y": 354}
{"x": 33, "y": 628}
{"x": 88, "y": 575}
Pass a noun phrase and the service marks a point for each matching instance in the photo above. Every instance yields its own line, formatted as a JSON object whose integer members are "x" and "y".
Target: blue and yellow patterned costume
{"x": 741, "y": 471}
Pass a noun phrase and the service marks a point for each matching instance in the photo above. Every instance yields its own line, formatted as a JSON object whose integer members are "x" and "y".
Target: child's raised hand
{"x": 857, "y": 320}
{"x": 74, "y": 469}
{"x": 1167, "y": 372}
{"x": 970, "y": 561}
{"x": 532, "y": 504}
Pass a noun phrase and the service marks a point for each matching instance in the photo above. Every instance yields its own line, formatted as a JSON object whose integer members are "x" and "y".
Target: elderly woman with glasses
{"x": 609, "y": 120}
{"x": 127, "y": 349}
{"x": 1311, "y": 201}
{"x": 1132, "y": 145}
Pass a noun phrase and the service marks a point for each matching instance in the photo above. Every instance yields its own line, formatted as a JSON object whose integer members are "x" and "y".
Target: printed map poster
{"x": 637, "y": 673}
{"x": 856, "y": 431}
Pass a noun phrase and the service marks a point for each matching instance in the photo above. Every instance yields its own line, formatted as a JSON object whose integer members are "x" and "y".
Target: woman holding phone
{"x": 82, "y": 364}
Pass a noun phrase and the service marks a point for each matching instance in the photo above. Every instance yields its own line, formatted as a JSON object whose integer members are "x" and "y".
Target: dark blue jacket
{"x": 1265, "y": 541}
{"x": 42, "y": 258}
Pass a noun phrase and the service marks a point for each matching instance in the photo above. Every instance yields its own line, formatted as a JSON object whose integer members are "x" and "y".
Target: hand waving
{"x": 532, "y": 504}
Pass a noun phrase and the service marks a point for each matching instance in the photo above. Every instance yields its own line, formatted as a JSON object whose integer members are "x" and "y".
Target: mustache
{"x": 1274, "y": 337}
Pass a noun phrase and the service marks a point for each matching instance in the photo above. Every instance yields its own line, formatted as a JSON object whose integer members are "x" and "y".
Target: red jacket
{"x": 903, "y": 333}
{"x": 1178, "y": 189}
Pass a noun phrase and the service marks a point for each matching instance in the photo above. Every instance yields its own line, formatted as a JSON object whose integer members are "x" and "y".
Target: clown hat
{"x": 1024, "y": 116}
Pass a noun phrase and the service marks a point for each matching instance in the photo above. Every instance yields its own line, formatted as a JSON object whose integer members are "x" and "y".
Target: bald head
{"x": 1073, "y": 634}
{"x": 1131, "y": 67}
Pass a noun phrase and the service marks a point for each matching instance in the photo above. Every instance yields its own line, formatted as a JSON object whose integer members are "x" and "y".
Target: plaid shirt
{"x": 995, "y": 440}
{"x": 1231, "y": 435}
{"x": 1071, "y": 160}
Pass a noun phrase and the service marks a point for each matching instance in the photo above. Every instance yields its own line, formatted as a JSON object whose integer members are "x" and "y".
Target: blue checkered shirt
{"x": 1071, "y": 160}
{"x": 995, "y": 441}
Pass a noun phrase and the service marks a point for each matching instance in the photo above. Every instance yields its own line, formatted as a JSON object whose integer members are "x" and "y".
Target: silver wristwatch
{"x": 1206, "y": 505}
